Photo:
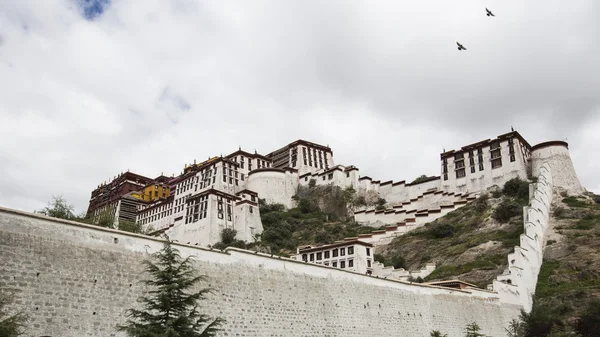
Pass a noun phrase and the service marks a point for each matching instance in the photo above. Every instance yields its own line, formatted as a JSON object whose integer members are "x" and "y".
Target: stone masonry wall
{"x": 77, "y": 280}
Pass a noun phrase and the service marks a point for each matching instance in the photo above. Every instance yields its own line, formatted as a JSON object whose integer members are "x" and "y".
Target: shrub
{"x": 437, "y": 333}
{"x": 550, "y": 242}
{"x": 496, "y": 194}
{"x": 419, "y": 179}
{"x": 516, "y": 188}
{"x": 379, "y": 258}
{"x": 380, "y": 205}
{"x": 228, "y": 235}
{"x": 559, "y": 212}
{"x": 596, "y": 198}
{"x": 312, "y": 183}
{"x": 506, "y": 210}
{"x": 589, "y": 323}
{"x": 439, "y": 231}
{"x": 398, "y": 261}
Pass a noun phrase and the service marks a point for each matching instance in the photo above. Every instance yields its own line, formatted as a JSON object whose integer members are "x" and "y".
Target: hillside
{"x": 322, "y": 215}
{"x": 568, "y": 288}
{"x": 470, "y": 243}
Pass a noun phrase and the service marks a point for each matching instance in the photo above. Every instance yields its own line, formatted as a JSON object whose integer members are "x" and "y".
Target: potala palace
{"x": 78, "y": 280}
{"x": 223, "y": 192}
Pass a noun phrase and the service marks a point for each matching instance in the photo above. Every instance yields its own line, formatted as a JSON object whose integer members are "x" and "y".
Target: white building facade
{"x": 352, "y": 255}
{"x": 222, "y": 192}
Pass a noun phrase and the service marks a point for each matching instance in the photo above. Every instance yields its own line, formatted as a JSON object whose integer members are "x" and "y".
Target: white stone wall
{"x": 517, "y": 284}
{"x": 247, "y": 222}
{"x": 71, "y": 292}
{"x": 556, "y": 154}
{"x": 276, "y": 187}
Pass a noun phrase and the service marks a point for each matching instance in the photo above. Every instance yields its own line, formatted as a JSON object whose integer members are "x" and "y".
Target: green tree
{"x": 380, "y": 205}
{"x": 228, "y": 236}
{"x": 515, "y": 329}
{"x": 131, "y": 226}
{"x": 58, "y": 208}
{"x": 419, "y": 179}
{"x": 10, "y": 325}
{"x": 169, "y": 310}
{"x": 437, "y": 333}
{"x": 472, "y": 330}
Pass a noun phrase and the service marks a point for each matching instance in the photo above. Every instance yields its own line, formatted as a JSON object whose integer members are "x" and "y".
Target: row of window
{"x": 333, "y": 253}
{"x": 495, "y": 158}
{"x": 313, "y": 155}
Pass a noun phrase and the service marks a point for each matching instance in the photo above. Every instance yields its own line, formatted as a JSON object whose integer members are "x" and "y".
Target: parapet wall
{"x": 77, "y": 280}
{"x": 517, "y": 284}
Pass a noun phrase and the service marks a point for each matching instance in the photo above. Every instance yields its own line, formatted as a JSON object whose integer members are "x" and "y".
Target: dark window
{"x": 496, "y": 163}
{"x": 334, "y": 264}
{"x": 445, "y": 177}
{"x": 368, "y": 263}
{"x": 512, "y": 157}
{"x": 350, "y": 263}
{"x": 319, "y": 256}
{"x": 472, "y": 169}
{"x": 304, "y": 257}
{"x": 330, "y": 176}
{"x": 368, "y": 251}
{"x": 312, "y": 257}
{"x": 342, "y": 251}
{"x": 480, "y": 167}
{"x": 460, "y": 173}
{"x": 327, "y": 254}
{"x": 350, "y": 250}
{"x": 334, "y": 252}
{"x": 342, "y": 264}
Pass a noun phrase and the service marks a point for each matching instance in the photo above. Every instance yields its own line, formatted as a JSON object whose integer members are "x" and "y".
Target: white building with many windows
{"x": 223, "y": 192}
{"x": 352, "y": 255}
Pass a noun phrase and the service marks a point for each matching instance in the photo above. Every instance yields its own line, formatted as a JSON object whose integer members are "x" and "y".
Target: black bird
{"x": 460, "y": 46}
{"x": 489, "y": 13}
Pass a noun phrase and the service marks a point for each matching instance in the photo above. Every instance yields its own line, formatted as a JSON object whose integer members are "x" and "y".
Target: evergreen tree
{"x": 473, "y": 330}
{"x": 437, "y": 333}
{"x": 10, "y": 325}
{"x": 169, "y": 310}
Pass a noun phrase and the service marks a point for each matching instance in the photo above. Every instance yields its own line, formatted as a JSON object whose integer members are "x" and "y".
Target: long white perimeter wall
{"x": 517, "y": 284}
{"x": 77, "y": 280}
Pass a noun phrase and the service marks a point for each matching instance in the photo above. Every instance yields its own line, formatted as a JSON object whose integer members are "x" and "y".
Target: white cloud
{"x": 151, "y": 85}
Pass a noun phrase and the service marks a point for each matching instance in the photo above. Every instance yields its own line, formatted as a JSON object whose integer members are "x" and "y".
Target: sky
{"x": 93, "y": 88}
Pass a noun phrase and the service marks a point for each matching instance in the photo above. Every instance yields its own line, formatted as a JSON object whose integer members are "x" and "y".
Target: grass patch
{"x": 588, "y": 222}
{"x": 576, "y": 202}
{"x": 482, "y": 263}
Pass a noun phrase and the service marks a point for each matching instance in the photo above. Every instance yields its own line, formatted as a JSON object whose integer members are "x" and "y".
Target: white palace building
{"x": 223, "y": 192}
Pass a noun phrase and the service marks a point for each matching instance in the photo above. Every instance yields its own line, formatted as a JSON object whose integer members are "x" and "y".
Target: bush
{"x": 559, "y": 212}
{"x": 516, "y": 188}
{"x": 419, "y": 179}
{"x": 439, "y": 231}
{"x": 380, "y": 205}
{"x": 312, "y": 183}
{"x": 506, "y": 210}
{"x": 379, "y": 258}
{"x": 398, "y": 262}
{"x": 228, "y": 236}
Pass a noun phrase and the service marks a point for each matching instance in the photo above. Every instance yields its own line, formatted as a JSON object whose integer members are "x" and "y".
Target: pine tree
{"x": 169, "y": 310}
{"x": 10, "y": 325}
{"x": 473, "y": 330}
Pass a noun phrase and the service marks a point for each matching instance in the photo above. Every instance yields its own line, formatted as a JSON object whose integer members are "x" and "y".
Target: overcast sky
{"x": 89, "y": 89}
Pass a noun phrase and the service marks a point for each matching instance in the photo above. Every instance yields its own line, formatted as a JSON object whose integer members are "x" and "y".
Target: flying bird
{"x": 489, "y": 13}
{"x": 460, "y": 46}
